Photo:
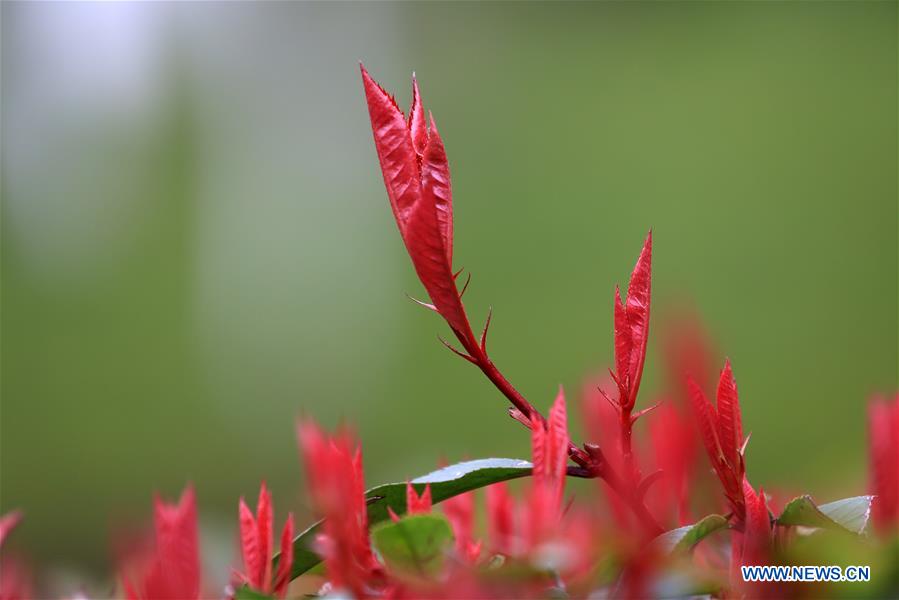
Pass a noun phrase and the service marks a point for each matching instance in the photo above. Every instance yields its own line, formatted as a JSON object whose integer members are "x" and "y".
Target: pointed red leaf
{"x": 421, "y": 195}
{"x": 264, "y": 527}
{"x": 418, "y": 127}
{"x": 459, "y": 511}
{"x": 428, "y": 240}
{"x": 757, "y": 535}
{"x": 336, "y": 484}
{"x": 557, "y": 451}
{"x": 175, "y": 572}
{"x": 549, "y": 454}
{"x": 436, "y": 186}
{"x": 249, "y": 545}
{"x": 415, "y": 503}
{"x": 285, "y": 563}
{"x": 538, "y": 449}
{"x": 706, "y": 419}
{"x": 622, "y": 345}
{"x": 637, "y": 307}
{"x": 730, "y": 427}
{"x": 399, "y": 163}
{"x": 500, "y": 518}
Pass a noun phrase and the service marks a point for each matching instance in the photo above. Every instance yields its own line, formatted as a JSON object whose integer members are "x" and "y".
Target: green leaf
{"x": 415, "y": 545}
{"x": 849, "y": 514}
{"x": 245, "y": 593}
{"x": 445, "y": 483}
{"x": 684, "y": 538}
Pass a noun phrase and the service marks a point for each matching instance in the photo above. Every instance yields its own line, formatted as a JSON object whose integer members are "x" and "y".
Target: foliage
{"x": 657, "y": 533}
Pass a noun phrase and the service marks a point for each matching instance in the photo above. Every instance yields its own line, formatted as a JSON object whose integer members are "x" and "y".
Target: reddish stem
{"x": 591, "y": 463}
{"x": 626, "y": 423}
{"x": 520, "y": 402}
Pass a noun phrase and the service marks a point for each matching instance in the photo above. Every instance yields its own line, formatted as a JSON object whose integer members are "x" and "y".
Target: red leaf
{"x": 396, "y": 154}
{"x": 175, "y": 571}
{"x": 335, "y": 481}
{"x": 757, "y": 536}
{"x": 622, "y": 346}
{"x": 417, "y": 123}
{"x": 264, "y": 526}
{"x": 706, "y": 419}
{"x": 249, "y": 545}
{"x": 416, "y": 504}
{"x": 730, "y": 427}
{"x": 722, "y": 451}
{"x": 436, "y": 187}
{"x": 549, "y": 450}
{"x": 637, "y": 305}
{"x": 632, "y": 327}
{"x": 285, "y": 563}
{"x": 459, "y": 511}
{"x": 557, "y": 448}
{"x": 538, "y": 448}
{"x": 416, "y": 174}
{"x": 500, "y": 518}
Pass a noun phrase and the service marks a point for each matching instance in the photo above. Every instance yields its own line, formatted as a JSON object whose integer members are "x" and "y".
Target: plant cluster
{"x": 673, "y": 514}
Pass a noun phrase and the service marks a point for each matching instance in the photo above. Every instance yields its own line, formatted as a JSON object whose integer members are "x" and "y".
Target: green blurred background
{"x": 197, "y": 246}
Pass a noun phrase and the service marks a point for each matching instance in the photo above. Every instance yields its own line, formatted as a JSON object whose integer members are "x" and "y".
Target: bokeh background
{"x": 197, "y": 246}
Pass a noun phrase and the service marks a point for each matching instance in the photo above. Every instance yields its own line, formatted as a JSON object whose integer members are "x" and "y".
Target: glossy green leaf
{"x": 415, "y": 545}
{"x": 684, "y": 538}
{"x": 445, "y": 483}
{"x": 849, "y": 514}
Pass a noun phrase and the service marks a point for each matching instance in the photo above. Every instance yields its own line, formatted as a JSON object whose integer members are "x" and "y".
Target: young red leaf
{"x": 730, "y": 427}
{"x": 256, "y": 542}
{"x": 632, "y": 327}
{"x": 721, "y": 430}
{"x": 757, "y": 536}
{"x": 264, "y": 525}
{"x": 417, "y": 123}
{"x": 178, "y": 545}
{"x": 282, "y": 578}
{"x": 416, "y": 174}
{"x": 707, "y": 421}
{"x": 336, "y": 484}
{"x": 638, "y": 299}
{"x": 173, "y": 570}
{"x": 396, "y": 154}
{"x": 249, "y": 545}
{"x": 549, "y": 446}
{"x": 416, "y": 504}
{"x": 500, "y": 518}
{"x": 437, "y": 189}
{"x": 459, "y": 511}
{"x": 623, "y": 346}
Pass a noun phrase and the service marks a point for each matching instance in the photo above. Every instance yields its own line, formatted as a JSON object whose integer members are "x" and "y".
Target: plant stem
{"x": 520, "y": 402}
{"x": 592, "y": 463}
{"x": 626, "y": 424}
{"x": 600, "y": 467}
